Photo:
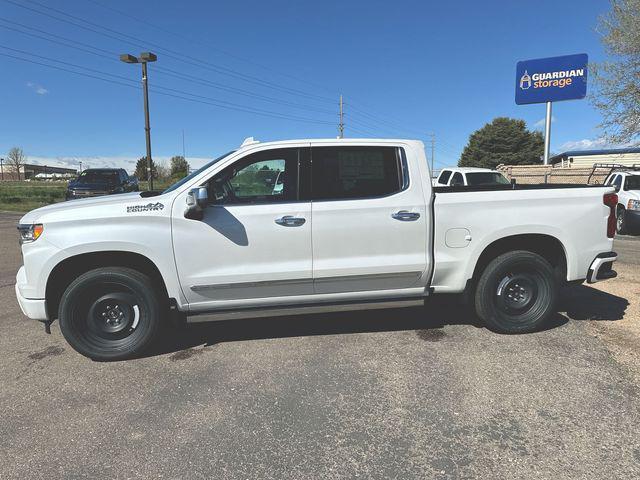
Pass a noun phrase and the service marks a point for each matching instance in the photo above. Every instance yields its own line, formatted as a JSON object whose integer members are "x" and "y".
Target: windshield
{"x": 486, "y": 178}
{"x": 98, "y": 176}
{"x": 179, "y": 183}
{"x": 633, "y": 182}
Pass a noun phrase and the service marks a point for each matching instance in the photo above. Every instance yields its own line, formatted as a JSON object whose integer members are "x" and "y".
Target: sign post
{"x": 547, "y": 80}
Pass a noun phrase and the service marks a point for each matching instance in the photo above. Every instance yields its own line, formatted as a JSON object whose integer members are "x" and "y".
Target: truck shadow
{"x": 579, "y": 303}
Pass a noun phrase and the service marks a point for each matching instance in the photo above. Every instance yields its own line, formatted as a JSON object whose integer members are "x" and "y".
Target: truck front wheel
{"x": 110, "y": 313}
{"x": 516, "y": 293}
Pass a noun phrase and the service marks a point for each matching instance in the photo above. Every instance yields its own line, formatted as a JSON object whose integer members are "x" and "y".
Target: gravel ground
{"x": 386, "y": 394}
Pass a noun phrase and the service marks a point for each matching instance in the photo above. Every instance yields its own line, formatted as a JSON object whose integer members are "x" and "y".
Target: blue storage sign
{"x": 551, "y": 79}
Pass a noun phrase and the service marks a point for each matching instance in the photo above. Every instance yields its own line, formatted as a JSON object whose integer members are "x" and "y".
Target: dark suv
{"x": 101, "y": 181}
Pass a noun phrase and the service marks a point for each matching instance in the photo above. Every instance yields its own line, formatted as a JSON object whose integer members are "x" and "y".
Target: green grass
{"x": 25, "y": 196}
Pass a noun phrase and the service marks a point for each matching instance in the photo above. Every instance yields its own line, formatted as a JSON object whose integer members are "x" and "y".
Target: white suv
{"x": 627, "y": 184}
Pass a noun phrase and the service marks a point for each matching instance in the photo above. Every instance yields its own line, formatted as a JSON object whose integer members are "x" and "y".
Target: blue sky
{"x": 405, "y": 68}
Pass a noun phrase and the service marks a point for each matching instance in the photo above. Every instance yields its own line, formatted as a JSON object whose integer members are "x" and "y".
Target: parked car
{"x": 359, "y": 228}
{"x": 467, "y": 176}
{"x": 627, "y": 185}
{"x": 94, "y": 182}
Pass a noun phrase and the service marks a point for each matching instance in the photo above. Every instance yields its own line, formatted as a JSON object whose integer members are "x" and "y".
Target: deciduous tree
{"x": 617, "y": 80}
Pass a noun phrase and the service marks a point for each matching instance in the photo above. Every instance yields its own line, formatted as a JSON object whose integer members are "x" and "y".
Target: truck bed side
{"x": 467, "y": 221}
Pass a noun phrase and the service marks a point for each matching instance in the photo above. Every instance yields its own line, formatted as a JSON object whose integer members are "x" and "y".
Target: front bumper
{"x": 36, "y": 309}
{"x": 632, "y": 221}
{"x": 600, "y": 268}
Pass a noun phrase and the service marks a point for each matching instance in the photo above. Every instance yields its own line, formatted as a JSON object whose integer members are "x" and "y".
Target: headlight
{"x": 30, "y": 232}
{"x": 633, "y": 205}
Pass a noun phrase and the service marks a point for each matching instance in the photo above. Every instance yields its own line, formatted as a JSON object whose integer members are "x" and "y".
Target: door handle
{"x": 405, "y": 216}
{"x": 290, "y": 221}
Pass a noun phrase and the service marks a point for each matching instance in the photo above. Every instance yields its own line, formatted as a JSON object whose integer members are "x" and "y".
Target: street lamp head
{"x": 148, "y": 57}
{"x": 126, "y": 58}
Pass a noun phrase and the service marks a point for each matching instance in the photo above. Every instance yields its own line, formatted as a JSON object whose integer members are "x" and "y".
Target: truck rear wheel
{"x": 110, "y": 313}
{"x": 516, "y": 293}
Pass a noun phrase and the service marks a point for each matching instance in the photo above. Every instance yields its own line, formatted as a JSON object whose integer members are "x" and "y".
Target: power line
{"x": 208, "y": 45}
{"x": 166, "y": 71}
{"x": 167, "y": 52}
{"x": 169, "y": 92}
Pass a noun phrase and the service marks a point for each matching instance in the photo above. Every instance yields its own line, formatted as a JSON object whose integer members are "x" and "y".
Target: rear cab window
{"x": 444, "y": 177}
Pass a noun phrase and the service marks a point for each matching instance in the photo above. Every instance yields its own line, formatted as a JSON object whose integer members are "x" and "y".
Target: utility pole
{"x": 80, "y": 166}
{"x": 547, "y": 134}
{"x": 433, "y": 151}
{"x": 183, "y": 154}
{"x": 341, "y": 124}
{"x": 144, "y": 58}
{"x": 2, "y": 168}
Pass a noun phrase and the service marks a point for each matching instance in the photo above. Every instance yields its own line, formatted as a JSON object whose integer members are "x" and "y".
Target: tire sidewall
{"x": 620, "y": 226}
{"x": 71, "y": 321}
{"x": 543, "y": 306}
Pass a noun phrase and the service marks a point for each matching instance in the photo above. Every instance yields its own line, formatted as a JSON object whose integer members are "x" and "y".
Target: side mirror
{"x": 196, "y": 203}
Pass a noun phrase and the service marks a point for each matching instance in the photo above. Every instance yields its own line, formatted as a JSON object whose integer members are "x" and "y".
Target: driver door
{"x": 253, "y": 244}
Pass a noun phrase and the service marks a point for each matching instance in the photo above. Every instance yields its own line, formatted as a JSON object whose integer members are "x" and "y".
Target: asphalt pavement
{"x": 412, "y": 393}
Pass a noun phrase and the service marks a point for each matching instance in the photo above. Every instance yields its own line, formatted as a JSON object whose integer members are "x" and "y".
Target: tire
{"x": 110, "y": 314}
{"x": 516, "y": 293}
{"x": 621, "y": 225}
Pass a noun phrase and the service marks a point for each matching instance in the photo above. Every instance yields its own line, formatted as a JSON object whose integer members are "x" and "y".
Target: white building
{"x": 586, "y": 158}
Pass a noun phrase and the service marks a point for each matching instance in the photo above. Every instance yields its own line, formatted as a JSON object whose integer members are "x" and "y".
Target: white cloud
{"x": 39, "y": 89}
{"x": 126, "y": 162}
{"x": 539, "y": 125}
{"x": 584, "y": 144}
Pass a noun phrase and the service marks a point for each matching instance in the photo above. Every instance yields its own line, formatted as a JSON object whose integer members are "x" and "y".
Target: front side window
{"x": 457, "y": 180}
{"x": 355, "y": 172}
{"x": 264, "y": 177}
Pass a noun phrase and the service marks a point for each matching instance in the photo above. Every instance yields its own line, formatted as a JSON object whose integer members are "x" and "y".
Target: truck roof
{"x": 469, "y": 169}
{"x": 250, "y": 141}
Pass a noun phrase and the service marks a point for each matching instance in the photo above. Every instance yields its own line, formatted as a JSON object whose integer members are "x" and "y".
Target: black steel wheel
{"x": 517, "y": 292}
{"x": 110, "y": 313}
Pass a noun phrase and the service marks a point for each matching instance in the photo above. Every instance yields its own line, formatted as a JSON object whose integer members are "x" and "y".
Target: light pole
{"x": 143, "y": 59}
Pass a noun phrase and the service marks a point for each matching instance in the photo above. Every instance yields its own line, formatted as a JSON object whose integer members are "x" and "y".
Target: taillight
{"x": 611, "y": 201}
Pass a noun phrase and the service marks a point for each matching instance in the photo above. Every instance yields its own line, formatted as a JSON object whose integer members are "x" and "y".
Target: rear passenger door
{"x": 369, "y": 219}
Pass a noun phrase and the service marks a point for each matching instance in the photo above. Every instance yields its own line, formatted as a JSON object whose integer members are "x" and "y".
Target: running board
{"x": 262, "y": 312}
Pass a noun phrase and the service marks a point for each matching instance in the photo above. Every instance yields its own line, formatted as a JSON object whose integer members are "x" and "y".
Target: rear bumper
{"x": 36, "y": 309}
{"x": 601, "y": 267}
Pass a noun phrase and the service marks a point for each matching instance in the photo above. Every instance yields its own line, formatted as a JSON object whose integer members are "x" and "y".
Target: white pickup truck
{"x": 355, "y": 224}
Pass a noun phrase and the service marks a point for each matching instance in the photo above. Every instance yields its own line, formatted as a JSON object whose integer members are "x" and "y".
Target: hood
{"x": 79, "y": 207}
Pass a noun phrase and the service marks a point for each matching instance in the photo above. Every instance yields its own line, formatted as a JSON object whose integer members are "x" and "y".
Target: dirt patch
{"x": 185, "y": 354}
{"x": 46, "y": 352}
{"x": 431, "y": 335}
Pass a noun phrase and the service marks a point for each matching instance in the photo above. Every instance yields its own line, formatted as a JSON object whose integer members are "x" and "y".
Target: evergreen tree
{"x": 504, "y": 140}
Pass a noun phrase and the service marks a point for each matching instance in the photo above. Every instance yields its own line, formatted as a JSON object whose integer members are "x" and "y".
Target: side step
{"x": 262, "y": 312}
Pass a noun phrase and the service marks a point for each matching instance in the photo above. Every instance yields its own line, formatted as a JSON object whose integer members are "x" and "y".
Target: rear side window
{"x": 444, "y": 177}
{"x": 355, "y": 172}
